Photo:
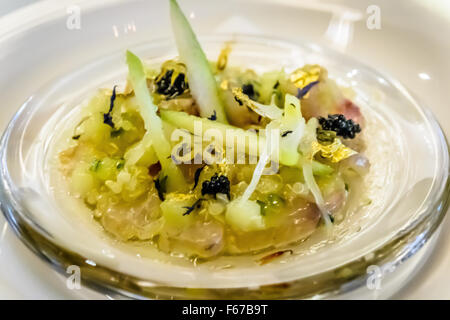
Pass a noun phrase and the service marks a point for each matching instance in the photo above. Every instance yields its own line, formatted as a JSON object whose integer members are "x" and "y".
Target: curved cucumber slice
{"x": 202, "y": 83}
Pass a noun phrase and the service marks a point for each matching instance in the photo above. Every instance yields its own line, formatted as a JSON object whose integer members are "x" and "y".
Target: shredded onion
{"x": 314, "y": 188}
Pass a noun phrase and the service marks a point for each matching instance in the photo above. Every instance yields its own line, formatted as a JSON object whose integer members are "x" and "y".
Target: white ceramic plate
{"x": 410, "y": 46}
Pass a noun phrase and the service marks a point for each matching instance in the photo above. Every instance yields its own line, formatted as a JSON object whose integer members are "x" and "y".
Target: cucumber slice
{"x": 186, "y": 121}
{"x": 153, "y": 124}
{"x": 202, "y": 83}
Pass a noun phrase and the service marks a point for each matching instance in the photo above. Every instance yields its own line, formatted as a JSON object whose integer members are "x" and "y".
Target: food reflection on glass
{"x": 204, "y": 158}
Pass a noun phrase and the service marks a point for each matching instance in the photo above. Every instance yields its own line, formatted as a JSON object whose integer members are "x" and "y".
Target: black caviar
{"x": 171, "y": 88}
{"x": 217, "y": 184}
{"x": 339, "y": 124}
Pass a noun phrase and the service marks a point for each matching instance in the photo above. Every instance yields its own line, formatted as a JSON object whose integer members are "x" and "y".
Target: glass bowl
{"x": 376, "y": 246}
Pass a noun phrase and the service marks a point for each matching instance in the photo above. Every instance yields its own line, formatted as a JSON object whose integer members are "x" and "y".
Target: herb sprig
{"x": 161, "y": 186}
{"x": 107, "y": 117}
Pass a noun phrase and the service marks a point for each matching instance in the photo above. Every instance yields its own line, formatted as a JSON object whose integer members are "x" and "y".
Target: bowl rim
{"x": 396, "y": 251}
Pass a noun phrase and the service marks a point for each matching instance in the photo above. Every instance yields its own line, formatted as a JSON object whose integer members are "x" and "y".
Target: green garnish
{"x": 120, "y": 164}
{"x": 262, "y": 204}
{"x": 325, "y": 137}
{"x": 213, "y": 116}
{"x": 116, "y": 133}
{"x": 273, "y": 202}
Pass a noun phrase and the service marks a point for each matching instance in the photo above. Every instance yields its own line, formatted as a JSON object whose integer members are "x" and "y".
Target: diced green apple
{"x": 153, "y": 124}
{"x": 244, "y": 215}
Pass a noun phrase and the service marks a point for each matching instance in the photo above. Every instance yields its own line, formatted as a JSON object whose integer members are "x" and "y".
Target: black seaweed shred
{"x": 303, "y": 91}
{"x": 284, "y": 134}
{"x": 276, "y": 85}
{"x": 249, "y": 90}
{"x": 197, "y": 176}
{"x": 196, "y": 205}
{"x": 238, "y": 101}
{"x": 76, "y": 137}
{"x": 339, "y": 124}
{"x": 213, "y": 116}
{"x": 161, "y": 186}
{"x": 107, "y": 117}
{"x": 116, "y": 133}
